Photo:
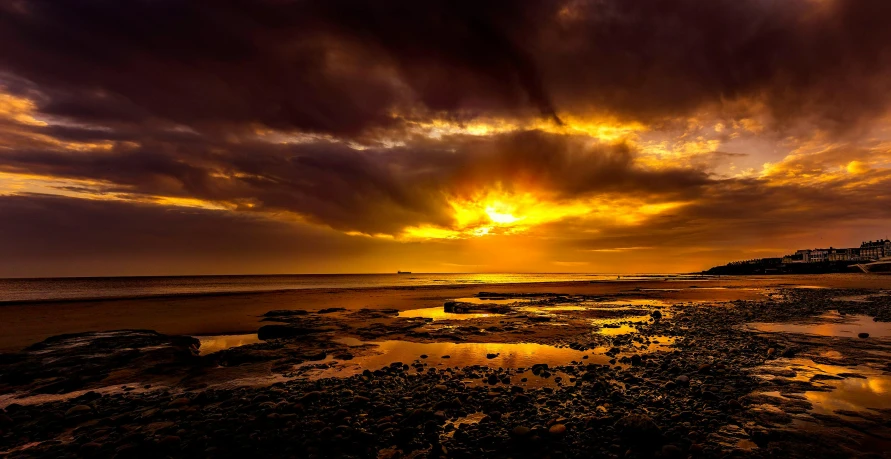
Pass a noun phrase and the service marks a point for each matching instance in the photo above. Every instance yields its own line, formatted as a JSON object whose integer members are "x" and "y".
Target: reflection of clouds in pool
{"x": 509, "y": 356}
{"x": 854, "y": 394}
{"x": 869, "y": 392}
{"x": 636, "y": 302}
{"x": 440, "y": 314}
{"x": 216, "y": 343}
{"x": 832, "y": 324}
{"x": 621, "y": 330}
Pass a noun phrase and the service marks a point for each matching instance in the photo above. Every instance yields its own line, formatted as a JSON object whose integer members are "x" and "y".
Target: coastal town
{"x": 871, "y": 256}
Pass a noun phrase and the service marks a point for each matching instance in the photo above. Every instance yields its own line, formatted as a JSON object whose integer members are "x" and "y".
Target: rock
{"x": 78, "y": 410}
{"x": 656, "y": 314}
{"x": 180, "y": 402}
{"x": 520, "y": 432}
{"x": 557, "y": 430}
{"x": 639, "y": 430}
{"x": 267, "y": 332}
{"x": 492, "y": 356}
{"x": 682, "y": 380}
{"x": 330, "y": 310}
{"x": 310, "y": 397}
{"x": 170, "y": 441}
{"x": 89, "y": 449}
{"x": 771, "y": 352}
{"x": 636, "y": 359}
{"x": 321, "y": 355}
{"x": 670, "y": 451}
{"x": 77, "y": 361}
{"x": 790, "y": 352}
{"x": 286, "y": 313}
{"x": 863, "y": 335}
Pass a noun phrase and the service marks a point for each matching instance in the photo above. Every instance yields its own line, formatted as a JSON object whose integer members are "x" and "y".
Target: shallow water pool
{"x": 216, "y": 343}
{"x": 445, "y": 355}
{"x": 440, "y": 314}
{"x": 830, "y": 324}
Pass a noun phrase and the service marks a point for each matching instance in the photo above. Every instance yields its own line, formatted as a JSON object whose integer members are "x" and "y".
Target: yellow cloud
{"x": 857, "y": 167}
{"x": 498, "y": 212}
{"x": 605, "y": 129}
{"x": 19, "y": 109}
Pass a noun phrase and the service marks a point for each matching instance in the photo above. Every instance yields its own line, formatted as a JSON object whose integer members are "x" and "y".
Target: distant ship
{"x": 403, "y": 272}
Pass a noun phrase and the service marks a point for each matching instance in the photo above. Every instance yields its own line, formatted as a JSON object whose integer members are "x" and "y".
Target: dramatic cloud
{"x": 340, "y": 67}
{"x": 447, "y": 131}
{"x": 367, "y": 190}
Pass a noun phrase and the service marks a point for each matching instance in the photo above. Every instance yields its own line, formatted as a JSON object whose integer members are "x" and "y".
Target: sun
{"x": 501, "y": 213}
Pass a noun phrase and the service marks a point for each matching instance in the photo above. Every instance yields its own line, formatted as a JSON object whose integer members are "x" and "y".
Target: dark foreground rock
{"x": 71, "y": 362}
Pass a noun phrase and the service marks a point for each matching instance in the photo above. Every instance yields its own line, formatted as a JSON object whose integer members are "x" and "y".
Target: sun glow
{"x": 604, "y": 129}
{"x": 500, "y": 212}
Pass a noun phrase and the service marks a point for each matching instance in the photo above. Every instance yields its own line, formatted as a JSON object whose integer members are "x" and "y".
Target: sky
{"x": 173, "y": 137}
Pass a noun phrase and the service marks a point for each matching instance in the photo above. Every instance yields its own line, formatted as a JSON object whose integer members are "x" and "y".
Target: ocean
{"x": 82, "y": 288}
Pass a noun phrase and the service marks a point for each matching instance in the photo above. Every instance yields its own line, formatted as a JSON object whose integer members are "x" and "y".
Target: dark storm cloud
{"x": 342, "y": 66}
{"x": 745, "y": 213}
{"x": 370, "y": 190}
{"x": 42, "y": 234}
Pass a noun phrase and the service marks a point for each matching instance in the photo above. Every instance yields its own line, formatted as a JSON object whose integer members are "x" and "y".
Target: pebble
{"x": 557, "y": 430}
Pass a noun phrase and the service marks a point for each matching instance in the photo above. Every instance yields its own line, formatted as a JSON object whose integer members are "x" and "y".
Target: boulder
{"x": 283, "y": 331}
{"x": 639, "y": 430}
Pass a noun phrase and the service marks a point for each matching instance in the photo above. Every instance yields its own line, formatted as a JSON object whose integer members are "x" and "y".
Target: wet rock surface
{"x": 690, "y": 381}
{"x": 72, "y": 362}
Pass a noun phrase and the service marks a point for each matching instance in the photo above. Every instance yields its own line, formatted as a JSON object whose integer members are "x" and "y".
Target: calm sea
{"x": 24, "y": 290}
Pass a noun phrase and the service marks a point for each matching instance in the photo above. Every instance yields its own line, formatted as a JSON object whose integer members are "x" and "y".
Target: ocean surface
{"x": 56, "y": 289}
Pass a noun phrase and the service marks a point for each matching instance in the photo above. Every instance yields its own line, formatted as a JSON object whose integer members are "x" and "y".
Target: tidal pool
{"x": 851, "y": 389}
{"x": 511, "y": 356}
{"x": 635, "y": 302}
{"x": 216, "y": 343}
{"x": 440, "y": 314}
{"x": 830, "y": 324}
{"x": 484, "y": 300}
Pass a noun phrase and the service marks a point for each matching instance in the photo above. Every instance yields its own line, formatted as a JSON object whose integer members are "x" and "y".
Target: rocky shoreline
{"x": 653, "y": 379}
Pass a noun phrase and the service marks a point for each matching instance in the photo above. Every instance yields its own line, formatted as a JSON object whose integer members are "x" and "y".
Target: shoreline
{"x": 596, "y": 278}
{"x": 221, "y": 314}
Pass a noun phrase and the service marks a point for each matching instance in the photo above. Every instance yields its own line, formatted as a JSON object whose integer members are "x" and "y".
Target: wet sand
{"x": 25, "y": 324}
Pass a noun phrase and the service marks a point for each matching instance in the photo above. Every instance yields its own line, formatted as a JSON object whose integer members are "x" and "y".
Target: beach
{"x": 22, "y": 324}
{"x": 636, "y": 367}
